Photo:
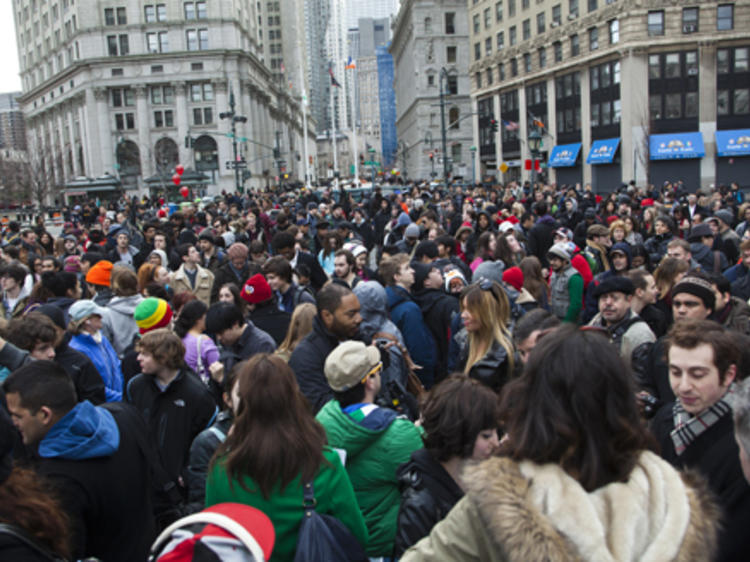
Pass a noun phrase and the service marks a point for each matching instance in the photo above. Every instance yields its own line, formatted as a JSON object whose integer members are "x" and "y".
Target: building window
{"x": 501, "y": 71}
{"x": 691, "y": 104}
{"x": 456, "y": 152}
{"x": 542, "y": 57}
{"x": 203, "y": 115}
{"x": 475, "y": 19}
{"x": 527, "y": 62}
{"x": 725, "y": 17}
{"x": 741, "y": 59}
{"x": 722, "y": 61}
{"x": 453, "y": 85}
{"x": 109, "y": 16}
{"x": 487, "y": 18}
{"x": 614, "y": 32}
{"x": 540, "y": 24}
{"x": 117, "y": 45}
{"x": 157, "y": 12}
{"x": 197, "y": 39}
{"x": 513, "y": 68}
{"x": 450, "y": 54}
{"x": 689, "y": 20}
{"x": 499, "y": 11}
{"x": 742, "y": 101}
{"x": 526, "y": 29}
{"x": 593, "y": 39}
{"x": 203, "y": 91}
{"x": 122, "y": 16}
{"x": 163, "y": 118}
{"x": 654, "y": 66}
{"x": 656, "y": 23}
{"x": 525, "y": 4}
{"x": 592, "y": 5}
{"x": 575, "y": 45}
{"x": 478, "y": 78}
{"x": 557, "y": 47}
{"x": 488, "y": 46}
{"x": 500, "y": 40}
{"x": 511, "y": 8}
{"x": 450, "y": 20}
{"x": 195, "y": 10}
{"x": 124, "y": 121}
{"x": 428, "y": 25}
{"x": 477, "y": 51}
{"x": 573, "y": 8}
{"x": 672, "y": 66}
{"x": 162, "y": 95}
{"x": 161, "y": 12}
{"x": 430, "y": 80}
{"x": 512, "y": 35}
{"x": 489, "y": 76}
{"x": 158, "y": 42}
{"x": 122, "y": 97}
{"x": 722, "y": 102}
{"x": 556, "y": 14}
{"x": 150, "y": 13}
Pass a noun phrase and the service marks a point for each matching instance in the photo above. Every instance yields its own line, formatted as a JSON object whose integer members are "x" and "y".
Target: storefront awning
{"x": 564, "y": 155}
{"x": 603, "y": 151}
{"x": 676, "y": 145}
{"x": 733, "y": 143}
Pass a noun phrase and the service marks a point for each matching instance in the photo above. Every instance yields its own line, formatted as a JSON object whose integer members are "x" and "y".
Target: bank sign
{"x": 676, "y": 145}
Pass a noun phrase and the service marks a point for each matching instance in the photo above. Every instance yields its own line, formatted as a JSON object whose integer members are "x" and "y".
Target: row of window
{"x": 164, "y": 118}
{"x": 157, "y": 42}
{"x": 163, "y": 95}
{"x": 158, "y": 12}
{"x": 690, "y": 19}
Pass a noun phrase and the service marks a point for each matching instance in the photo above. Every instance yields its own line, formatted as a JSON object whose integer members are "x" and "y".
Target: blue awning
{"x": 676, "y": 145}
{"x": 564, "y": 155}
{"x": 603, "y": 151}
{"x": 733, "y": 143}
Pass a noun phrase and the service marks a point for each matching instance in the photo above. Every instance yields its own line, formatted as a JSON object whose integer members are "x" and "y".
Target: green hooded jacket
{"x": 375, "y": 446}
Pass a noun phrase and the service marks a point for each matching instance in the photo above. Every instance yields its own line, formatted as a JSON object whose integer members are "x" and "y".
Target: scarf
{"x": 687, "y": 428}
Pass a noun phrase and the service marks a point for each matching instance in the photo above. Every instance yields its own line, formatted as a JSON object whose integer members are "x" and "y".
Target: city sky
{"x": 9, "y": 79}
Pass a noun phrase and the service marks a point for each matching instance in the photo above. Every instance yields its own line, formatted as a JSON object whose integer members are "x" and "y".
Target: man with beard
{"x": 337, "y": 320}
{"x": 626, "y": 330}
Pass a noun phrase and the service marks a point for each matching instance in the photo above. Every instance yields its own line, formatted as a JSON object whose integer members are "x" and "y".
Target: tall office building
{"x": 618, "y": 89}
{"x": 370, "y": 9}
{"x": 430, "y": 49}
{"x": 132, "y": 89}
{"x": 12, "y": 126}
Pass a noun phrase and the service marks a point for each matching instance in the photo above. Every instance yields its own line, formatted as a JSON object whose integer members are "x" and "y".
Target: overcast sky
{"x": 9, "y": 79}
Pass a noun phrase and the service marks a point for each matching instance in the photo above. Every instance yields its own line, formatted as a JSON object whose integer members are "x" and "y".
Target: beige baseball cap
{"x": 349, "y": 363}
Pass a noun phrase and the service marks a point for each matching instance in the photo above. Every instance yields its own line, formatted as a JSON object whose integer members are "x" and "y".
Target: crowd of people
{"x": 460, "y": 373}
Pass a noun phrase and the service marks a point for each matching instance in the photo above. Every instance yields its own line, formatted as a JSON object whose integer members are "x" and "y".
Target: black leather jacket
{"x": 428, "y": 493}
{"x": 492, "y": 369}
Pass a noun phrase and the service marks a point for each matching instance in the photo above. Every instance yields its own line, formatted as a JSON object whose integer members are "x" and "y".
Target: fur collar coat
{"x": 523, "y": 511}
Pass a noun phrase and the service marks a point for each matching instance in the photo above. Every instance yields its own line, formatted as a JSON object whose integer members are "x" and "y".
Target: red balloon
{"x": 162, "y": 213}
{"x": 184, "y": 191}
{"x": 176, "y": 179}
{"x": 179, "y": 169}
{"x": 161, "y": 201}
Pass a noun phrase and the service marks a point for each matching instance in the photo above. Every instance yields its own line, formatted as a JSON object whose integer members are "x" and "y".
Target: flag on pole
{"x": 510, "y": 125}
{"x": 334, "y": 82}
{"x": 351, "y": 64}
{"x": 538, "y": 123}
{"x": 283, "y": 70}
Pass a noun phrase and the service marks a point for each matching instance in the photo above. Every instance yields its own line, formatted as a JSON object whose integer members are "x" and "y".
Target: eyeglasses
{"x": 376, "y": 369}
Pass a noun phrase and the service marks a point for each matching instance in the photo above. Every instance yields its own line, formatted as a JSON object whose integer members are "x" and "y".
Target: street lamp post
{"x": 371, "y": 153}
{"x": 428, "y": 143}
{"x": 473, "y": 150}
{"x": 535, "y": 142}
{"x": 403, "y": 148}
{"x": 443, "y": 74}
{"x": 235, "y": 119}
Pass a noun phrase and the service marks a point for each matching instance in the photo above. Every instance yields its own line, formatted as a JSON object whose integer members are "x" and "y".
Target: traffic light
{"x": 361, "y": 158}
{"x": 432, "y": 156}
{"x": 493, "y": 125}
{"x": 246, "y": 175}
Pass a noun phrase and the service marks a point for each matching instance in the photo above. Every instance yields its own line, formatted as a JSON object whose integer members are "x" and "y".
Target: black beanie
{"x": 698, "y": 287}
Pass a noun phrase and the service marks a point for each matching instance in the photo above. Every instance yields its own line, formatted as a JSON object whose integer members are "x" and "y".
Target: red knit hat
{"x": 513, "y": 276}
{"x": 256, "y": 289}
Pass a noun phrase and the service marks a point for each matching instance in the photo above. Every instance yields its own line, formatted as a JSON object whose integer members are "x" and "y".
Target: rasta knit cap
{"x": 100, "y": 273}
{"x": 256, "y": 289}
{"x": 152, "y": 313}
{"x": 696, "y": 286}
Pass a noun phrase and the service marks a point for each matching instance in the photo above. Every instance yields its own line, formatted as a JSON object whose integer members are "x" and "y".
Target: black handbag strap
{"x": 308, "y": 497}
{"x": 22, "y": 536}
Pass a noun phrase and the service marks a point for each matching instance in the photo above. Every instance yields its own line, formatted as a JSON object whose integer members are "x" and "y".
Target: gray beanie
{"x": 412, "y": 231}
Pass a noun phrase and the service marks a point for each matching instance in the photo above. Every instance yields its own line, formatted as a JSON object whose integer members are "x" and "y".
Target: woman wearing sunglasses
{"x": 486, "y": 349}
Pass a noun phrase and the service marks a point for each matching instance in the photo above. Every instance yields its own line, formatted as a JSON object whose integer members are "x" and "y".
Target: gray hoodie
{"x": 118, "y": 323}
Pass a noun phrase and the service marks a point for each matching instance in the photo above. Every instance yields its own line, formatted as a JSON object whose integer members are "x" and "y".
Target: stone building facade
{"x": 619, "y": 89}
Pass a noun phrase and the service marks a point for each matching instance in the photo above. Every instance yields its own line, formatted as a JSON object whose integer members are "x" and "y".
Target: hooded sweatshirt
{"x": 118, "y": 324}
{"x": 376, "y": 442}
{"x": 85, "y": 432}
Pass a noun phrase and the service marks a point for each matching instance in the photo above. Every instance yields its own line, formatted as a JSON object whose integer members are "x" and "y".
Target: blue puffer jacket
{"x": 106, "y": 361}
{"x": 407, "y": 316}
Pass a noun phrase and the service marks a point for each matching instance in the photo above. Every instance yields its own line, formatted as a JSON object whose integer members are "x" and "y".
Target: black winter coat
{"x": 253, "y": 340}
{"x": 87, "y": 380}
{"x": 201, "y": 452}
{"x": 308, "y": 361}
{"x": 714, "y": 454}
{"x": 541, "y": 237}
{"x": 428, "y": 493}
{"x": 493, "y": 369}
{"x": 318, "y": 277}
{"x": 175, "y": 415}
{"x": 438, "y": 310}
{"x": 108, "y": 498}
{"x": 271, "y": 320}
{"x": 656, "y": 377}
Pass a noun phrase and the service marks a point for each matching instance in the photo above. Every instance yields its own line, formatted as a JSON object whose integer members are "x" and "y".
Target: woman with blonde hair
{"x": 617, "y": 231}
{"x": 486, "y": 348}
{"x": 299, "y": 326}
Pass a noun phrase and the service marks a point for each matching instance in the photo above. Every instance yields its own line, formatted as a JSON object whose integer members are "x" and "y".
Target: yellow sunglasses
{"x": 376, "y": 369}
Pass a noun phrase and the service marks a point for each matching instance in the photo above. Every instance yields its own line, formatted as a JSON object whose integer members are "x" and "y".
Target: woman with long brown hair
{"x": 578, "y": 479}
{"x": 274, "y": 448}
{"x": 300, "y": 325}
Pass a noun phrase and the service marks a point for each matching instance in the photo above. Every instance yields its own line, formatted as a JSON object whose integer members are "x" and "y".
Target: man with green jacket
{"x": 374, "y": 440}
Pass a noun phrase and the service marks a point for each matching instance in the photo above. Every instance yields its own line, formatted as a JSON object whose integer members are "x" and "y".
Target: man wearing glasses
{"x": 372, "y": 440}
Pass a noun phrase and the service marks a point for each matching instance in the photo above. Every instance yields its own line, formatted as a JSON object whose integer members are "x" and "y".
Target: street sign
{"x": 371, "y": 163}
{"x": 503, "y": 167}
{"x": 232, "y": 165}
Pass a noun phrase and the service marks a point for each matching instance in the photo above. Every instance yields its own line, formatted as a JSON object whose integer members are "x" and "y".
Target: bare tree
{"x": 41, "y": 182}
